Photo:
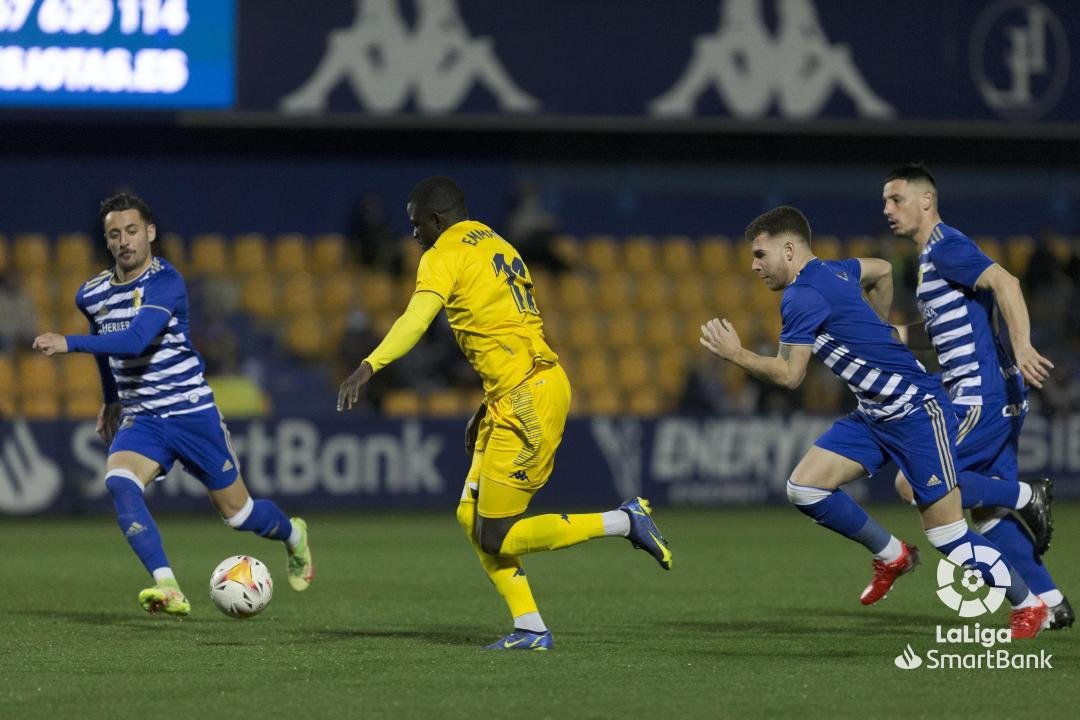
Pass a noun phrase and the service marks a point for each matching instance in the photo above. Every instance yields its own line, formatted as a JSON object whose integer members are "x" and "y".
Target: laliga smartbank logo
{"x": 972, "y": 582}
{"x": 974, "y": 596}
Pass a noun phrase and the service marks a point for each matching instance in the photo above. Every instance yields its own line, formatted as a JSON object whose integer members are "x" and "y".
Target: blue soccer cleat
{"x": 524, "y": 640}
{"x": 644, "y": 534}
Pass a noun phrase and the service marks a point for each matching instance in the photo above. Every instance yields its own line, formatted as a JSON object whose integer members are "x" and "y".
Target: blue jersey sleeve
{"x": 958, "y": 259}
{"x": 129, "y": 342}
{"x": 852, "y": 267}
{"x": 803, "y": 311}
{"x": 165, "y": 290}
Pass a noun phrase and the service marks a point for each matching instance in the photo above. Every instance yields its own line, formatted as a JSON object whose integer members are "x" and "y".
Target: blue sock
{"x": 134, "y": 519}
{"x": 982, "y": 491}
{"x": 838, "y": 512}
{"x": 948, "y": 537}
{"x": 263, "y": 518}
{"x": 1015, "y": 544}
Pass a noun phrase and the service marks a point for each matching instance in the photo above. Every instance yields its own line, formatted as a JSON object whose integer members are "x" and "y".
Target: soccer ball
{"x": 241, "y": 586}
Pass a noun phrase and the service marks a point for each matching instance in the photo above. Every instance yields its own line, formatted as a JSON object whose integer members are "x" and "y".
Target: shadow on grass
{"x": 99, "y": 618}
{"x": 820, "y": 621}
{"x": 435, "y": 636}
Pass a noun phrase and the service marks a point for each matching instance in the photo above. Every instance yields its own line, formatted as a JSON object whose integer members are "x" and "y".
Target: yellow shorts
{"x": 517, "y": 440}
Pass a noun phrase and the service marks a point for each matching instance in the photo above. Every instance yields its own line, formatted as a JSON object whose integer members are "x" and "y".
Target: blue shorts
{"x": 988, "y": 438}
{"x": 199, "y": 440}
{"x": 921, "y": 443}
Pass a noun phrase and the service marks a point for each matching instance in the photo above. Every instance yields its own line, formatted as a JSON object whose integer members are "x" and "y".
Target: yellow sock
{"x": 505, "y": 572}
{"x": 551, "y": 532}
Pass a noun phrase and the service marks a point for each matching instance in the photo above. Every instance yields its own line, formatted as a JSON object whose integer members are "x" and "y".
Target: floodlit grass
{"x": 759, "y": 618}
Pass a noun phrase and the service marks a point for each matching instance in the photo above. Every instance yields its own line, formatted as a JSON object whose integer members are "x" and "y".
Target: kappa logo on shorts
{"x": 520, "y": 475}
{"x": 934, "y": 480}
{"x": 227, "y": 466}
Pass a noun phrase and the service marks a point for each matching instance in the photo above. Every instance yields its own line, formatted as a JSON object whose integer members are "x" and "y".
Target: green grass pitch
{"x": 759, "y": 618}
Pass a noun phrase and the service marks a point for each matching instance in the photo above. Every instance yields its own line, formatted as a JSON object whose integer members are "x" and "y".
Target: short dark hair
{"x": 912, "y": 171}
{"x": 438, "y": 194}
{"x": 783, "y": 219}
{"x": 125, "y": 201}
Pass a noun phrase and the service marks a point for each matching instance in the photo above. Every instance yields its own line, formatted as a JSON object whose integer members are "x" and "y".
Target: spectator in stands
{"x": 1045, "y": 286}
{"x": 531, "y": 228}
{"x": 18, "y": 317}
{"x": 374, "y": 242}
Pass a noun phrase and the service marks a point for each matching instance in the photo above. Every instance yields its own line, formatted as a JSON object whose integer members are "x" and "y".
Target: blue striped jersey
{"x": 960, "y": 319}
{"x": 824, "y": 307}
{"x": 167, "y": 377}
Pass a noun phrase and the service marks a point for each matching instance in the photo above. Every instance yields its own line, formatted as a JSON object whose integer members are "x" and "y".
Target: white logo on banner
{"x": 1030, "y": 32}
{"x": 620, "y": 442}
{"x": 749, "y": 66}
{"x": 962, "y": 586}
{"x": 386, "y": 63}
{"x": 29, "y": 481}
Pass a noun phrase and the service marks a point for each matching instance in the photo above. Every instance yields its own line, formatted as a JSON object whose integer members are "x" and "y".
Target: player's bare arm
{"x": 787, "y": 369}
{"x": 473, "y": 427}
{"x": 108, "y": 421}
{"x": 1010, "y": 300}
{"x": 877, "y": 284}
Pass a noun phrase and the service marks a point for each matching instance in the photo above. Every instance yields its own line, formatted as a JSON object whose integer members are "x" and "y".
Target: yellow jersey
{"x": 487, "y": 292}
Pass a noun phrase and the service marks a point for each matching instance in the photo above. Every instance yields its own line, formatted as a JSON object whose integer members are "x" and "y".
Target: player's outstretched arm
{"x": 1010, "y": 300}
{"x": 787, "y": 369}
{"x": 876, "y": 281}
{"x": 400, "y": 339}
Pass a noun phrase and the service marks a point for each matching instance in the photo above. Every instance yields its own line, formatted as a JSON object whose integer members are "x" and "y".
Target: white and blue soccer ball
{"x": 241, "y": 586}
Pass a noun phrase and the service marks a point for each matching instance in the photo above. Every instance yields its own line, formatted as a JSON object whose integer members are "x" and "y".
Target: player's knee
{"x": 903, "y": 488}
{"x": 122, "y": 482}
{"x": 805, "y": 495}
{"x": 491, "y": 532}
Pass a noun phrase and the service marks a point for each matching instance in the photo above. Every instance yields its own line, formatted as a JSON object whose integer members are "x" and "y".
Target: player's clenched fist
{"x": 51, "y": 344}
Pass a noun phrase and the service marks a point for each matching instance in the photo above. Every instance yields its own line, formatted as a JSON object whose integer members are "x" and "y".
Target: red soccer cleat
{"x": 885, "y": 574}
{"x": 1027, "y": 622}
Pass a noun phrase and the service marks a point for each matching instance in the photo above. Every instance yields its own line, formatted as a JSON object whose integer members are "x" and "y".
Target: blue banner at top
{"x": 1009, "y": 61}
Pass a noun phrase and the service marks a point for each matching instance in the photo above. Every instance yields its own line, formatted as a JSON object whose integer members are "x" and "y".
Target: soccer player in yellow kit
{"x": 487, "y": 292}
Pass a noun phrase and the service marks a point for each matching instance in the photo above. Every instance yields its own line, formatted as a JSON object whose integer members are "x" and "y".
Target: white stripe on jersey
{"x": 958, "y": 351}
{"x": 960, "y": 312}
{"x": 960, "y": 371}
{"x": 132, "y": 363}
{"x": 943, "y": 299}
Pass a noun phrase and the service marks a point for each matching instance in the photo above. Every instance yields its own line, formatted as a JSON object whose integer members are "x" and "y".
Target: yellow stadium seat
{"x": 1061, "y": 248}
{"x": 670, "y": 373}
{"x": 692, "y": 294}
{"x": 543, "y": 287}
{"x": 444, "y": 404}
{"x": 384, "y": 320}
{"x": 660, "y": 330}
{"x": 992, "y": 247}
{"x": 826, "y": 247}
{"x": 298, "y": 294}
{"x": 328, "y": 252}
{"x": 410, "y": 255}
{"x": 82, "y": 406}
{"x": 645, "y": 402}
{"x": 568, "y": 249}
{"x": 715, "y": 254}
{"x": 67, "y": 285}
{"x": 605, "y": 401}
{"x": 5, "y": 254}
{"x": 258, "y": 296}
{"x": 401, "y": 403}
{"x": 632, "y": 370}
{"x": 583, "y": 333}
{"x": 37, "y": 376}
{"x": 250, "y": 254}
{"x": 71, "y": 322}
{"x": 336, "y": 291}
{"x": 40, "y": 288}
{"x": 554, "y": 329}
{"x": 74, "y": 254}
{"x": 729, "y": 290}
{"x": 377, "y": 291}
{"x": 602, "y": 253}
{"x": 209, "y": 255}
{"x": 171, "y": 247}
{"x": 574, "y": 293}
{"x": 622, "y": 331}
{"x": 39, "y": 407}
{"x": 593, "y": 370}
{"x": 613, "y": 292}
{"x": 1018, "y": 250}
{"x": 79, "y": 375}
{"x": 304, "y": 336}
{"x": 639, "y": 254}
{"x": 31, "y": 253}
{"x": 863, "y": 246}
{"x": 290, "y": 253}
{"x": 652, "y": 290}
{"x": 678, "y": 255}
{"x": 7, "y": 375}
